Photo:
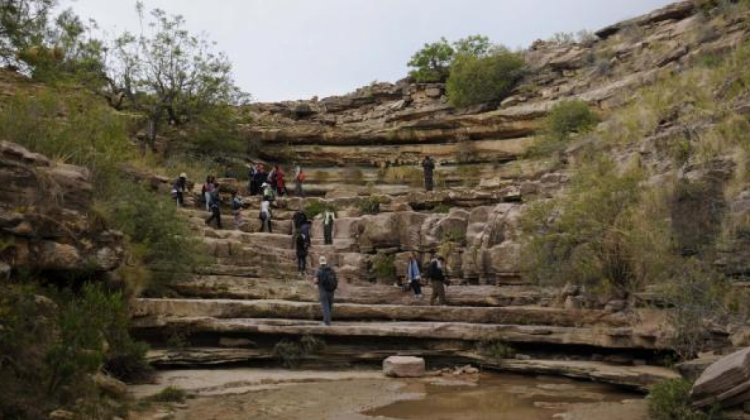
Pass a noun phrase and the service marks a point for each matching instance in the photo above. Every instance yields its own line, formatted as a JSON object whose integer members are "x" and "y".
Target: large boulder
{"x": 404, "y": 367}
{"x": 726, "y": 382}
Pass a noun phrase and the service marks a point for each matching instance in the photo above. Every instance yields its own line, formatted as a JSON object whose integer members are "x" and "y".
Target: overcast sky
{"x": 296, "y": 49}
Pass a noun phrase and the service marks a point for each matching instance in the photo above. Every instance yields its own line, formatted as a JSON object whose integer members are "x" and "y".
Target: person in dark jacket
{"x": 252, "y": 182}
{"x": 413, "y": 276}
{"x": 215, "y": 208}
{"x": 302, "y": 247}
{"x": 298, "y": 219}
{"x": 429, "y": 170}
{"x": 179, "y": 188}
{"x": 436, "y": 273}
{"x": 325, "y": 279}
{"x": 329, "y": 217}
{"x": 261, "y": 176}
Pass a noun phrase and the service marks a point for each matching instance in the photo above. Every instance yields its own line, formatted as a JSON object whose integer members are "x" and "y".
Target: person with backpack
{"x": 327, "y": 283}
{"x": 329, "y": 216}
{"x": 299, "y": 178}
{"x": 298, "y": 219}
{"x": 268, "y": 192}
{"x": 237, "y": 205}
{"x": 302, "y": 247}
{"x": 215, "y": 209}
{"x": 436, "y": 274}
{"x": 413, "y": 276}
{"x": 265, "y": 216}
{"x": 429, "y": 170}
{"x": 179, "y": 188}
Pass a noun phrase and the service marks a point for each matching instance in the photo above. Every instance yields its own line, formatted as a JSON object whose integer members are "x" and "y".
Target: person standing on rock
{"x": 436, "y": 274}
{"x": 260, "y": 178}
{"x": 327, "y": 283}
{"x": 237, "y": 205}
{"x": 429, "y": 170}
{"x": 329, "y": 217}
{"x": 268, "y": 192}
{"x": 215, "y": 208}
{"x": 302, "y": 247}
{"x": 265, "y": 216}
{"x": 298, "y": 219}
{"x": 414, "y": 276}
{"x": 208, "y": 190}
{"x": 299, "y": 179}
{"x": 252, "y": 183}
{"x": 179, "y": 188}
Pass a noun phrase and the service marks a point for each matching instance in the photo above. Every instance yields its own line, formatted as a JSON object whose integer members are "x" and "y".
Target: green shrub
{"x": 590, "y": 235}
{"x": 570, "y": 117}
{"x": 50, "y": 347}
{"x": 474, "y": 80}
{"x": 73, "y": 127}
{"x": 288, "y": 352}
{"x": 170, "y": 394}
{"x": 156, "y": 232}
{"x": 496, "y": 350}
{"x": 384, "y": 266}
{"x": 670, "y": 400}
{"x": 369, "y": 205}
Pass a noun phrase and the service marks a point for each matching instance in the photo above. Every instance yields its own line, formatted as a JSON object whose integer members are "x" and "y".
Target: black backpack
{"x": 302, "y": 243}
{"x": 328, "y": 280}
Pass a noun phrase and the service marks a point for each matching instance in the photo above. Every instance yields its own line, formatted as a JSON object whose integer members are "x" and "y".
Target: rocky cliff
{"x": 46, "y": 222}
{"x": 394, "y": 124}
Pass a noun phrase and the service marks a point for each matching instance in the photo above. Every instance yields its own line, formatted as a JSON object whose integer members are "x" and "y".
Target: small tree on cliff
{"x": 169, "y": 74}
{"x": 433, "y": 62}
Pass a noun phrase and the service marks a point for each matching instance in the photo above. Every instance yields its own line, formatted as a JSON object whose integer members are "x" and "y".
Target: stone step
{"x": 519, "y": 315}
{"x": 632, "y": 338}
{"x": 296, "y": 289}
{"x": 639, "y": 378}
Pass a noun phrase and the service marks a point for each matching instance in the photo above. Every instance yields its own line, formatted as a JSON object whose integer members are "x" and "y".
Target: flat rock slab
{"x": 727, "y": 381}
{"x": 604, "y": 337}
{"x": 231, "y": 282}
{"x": 520, "y": 315}
{"x": 404, "y": 367}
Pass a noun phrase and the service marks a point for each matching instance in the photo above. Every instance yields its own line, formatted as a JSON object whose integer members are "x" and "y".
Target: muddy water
{"x": 252, "y": 394}
{"x": 510, "y": 397}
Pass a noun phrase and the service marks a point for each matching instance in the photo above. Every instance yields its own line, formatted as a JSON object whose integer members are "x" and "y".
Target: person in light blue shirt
{"x": 414, "y": 276}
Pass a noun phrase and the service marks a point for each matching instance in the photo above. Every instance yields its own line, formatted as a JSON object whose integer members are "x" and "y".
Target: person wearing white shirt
{"x": 265, "y": 216}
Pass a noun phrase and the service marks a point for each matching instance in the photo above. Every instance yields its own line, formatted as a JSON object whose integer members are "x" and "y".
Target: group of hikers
{"x": 259, "y": 178}
{"x": 326, "y": 280}
{"x": 271, "y": 184}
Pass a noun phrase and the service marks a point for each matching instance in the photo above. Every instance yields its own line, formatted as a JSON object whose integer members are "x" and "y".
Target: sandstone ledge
{"x": 602, "y": 337}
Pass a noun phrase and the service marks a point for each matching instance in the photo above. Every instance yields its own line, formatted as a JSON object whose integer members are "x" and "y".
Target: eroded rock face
{"x": 44, "y": 216}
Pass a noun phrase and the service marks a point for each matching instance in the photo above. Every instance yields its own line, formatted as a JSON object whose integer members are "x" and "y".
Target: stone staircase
{"x": 238, "y": 309}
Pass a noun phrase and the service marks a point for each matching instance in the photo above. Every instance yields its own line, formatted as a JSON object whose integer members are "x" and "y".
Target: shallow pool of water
{"x": 506, "y": 397}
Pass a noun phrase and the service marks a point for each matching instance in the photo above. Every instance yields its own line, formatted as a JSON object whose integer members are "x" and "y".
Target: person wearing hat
{"x": 179, "y": 188}
{"x": 325, "y": 279}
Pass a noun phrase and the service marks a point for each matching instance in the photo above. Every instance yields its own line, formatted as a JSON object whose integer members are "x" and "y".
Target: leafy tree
{"x": 169, "y": 74}
{"x": 475, "y": 45}
{"x": 432, "y": 63}
{"x": 476, "y": 79}
{"x": 22, "y": 25}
